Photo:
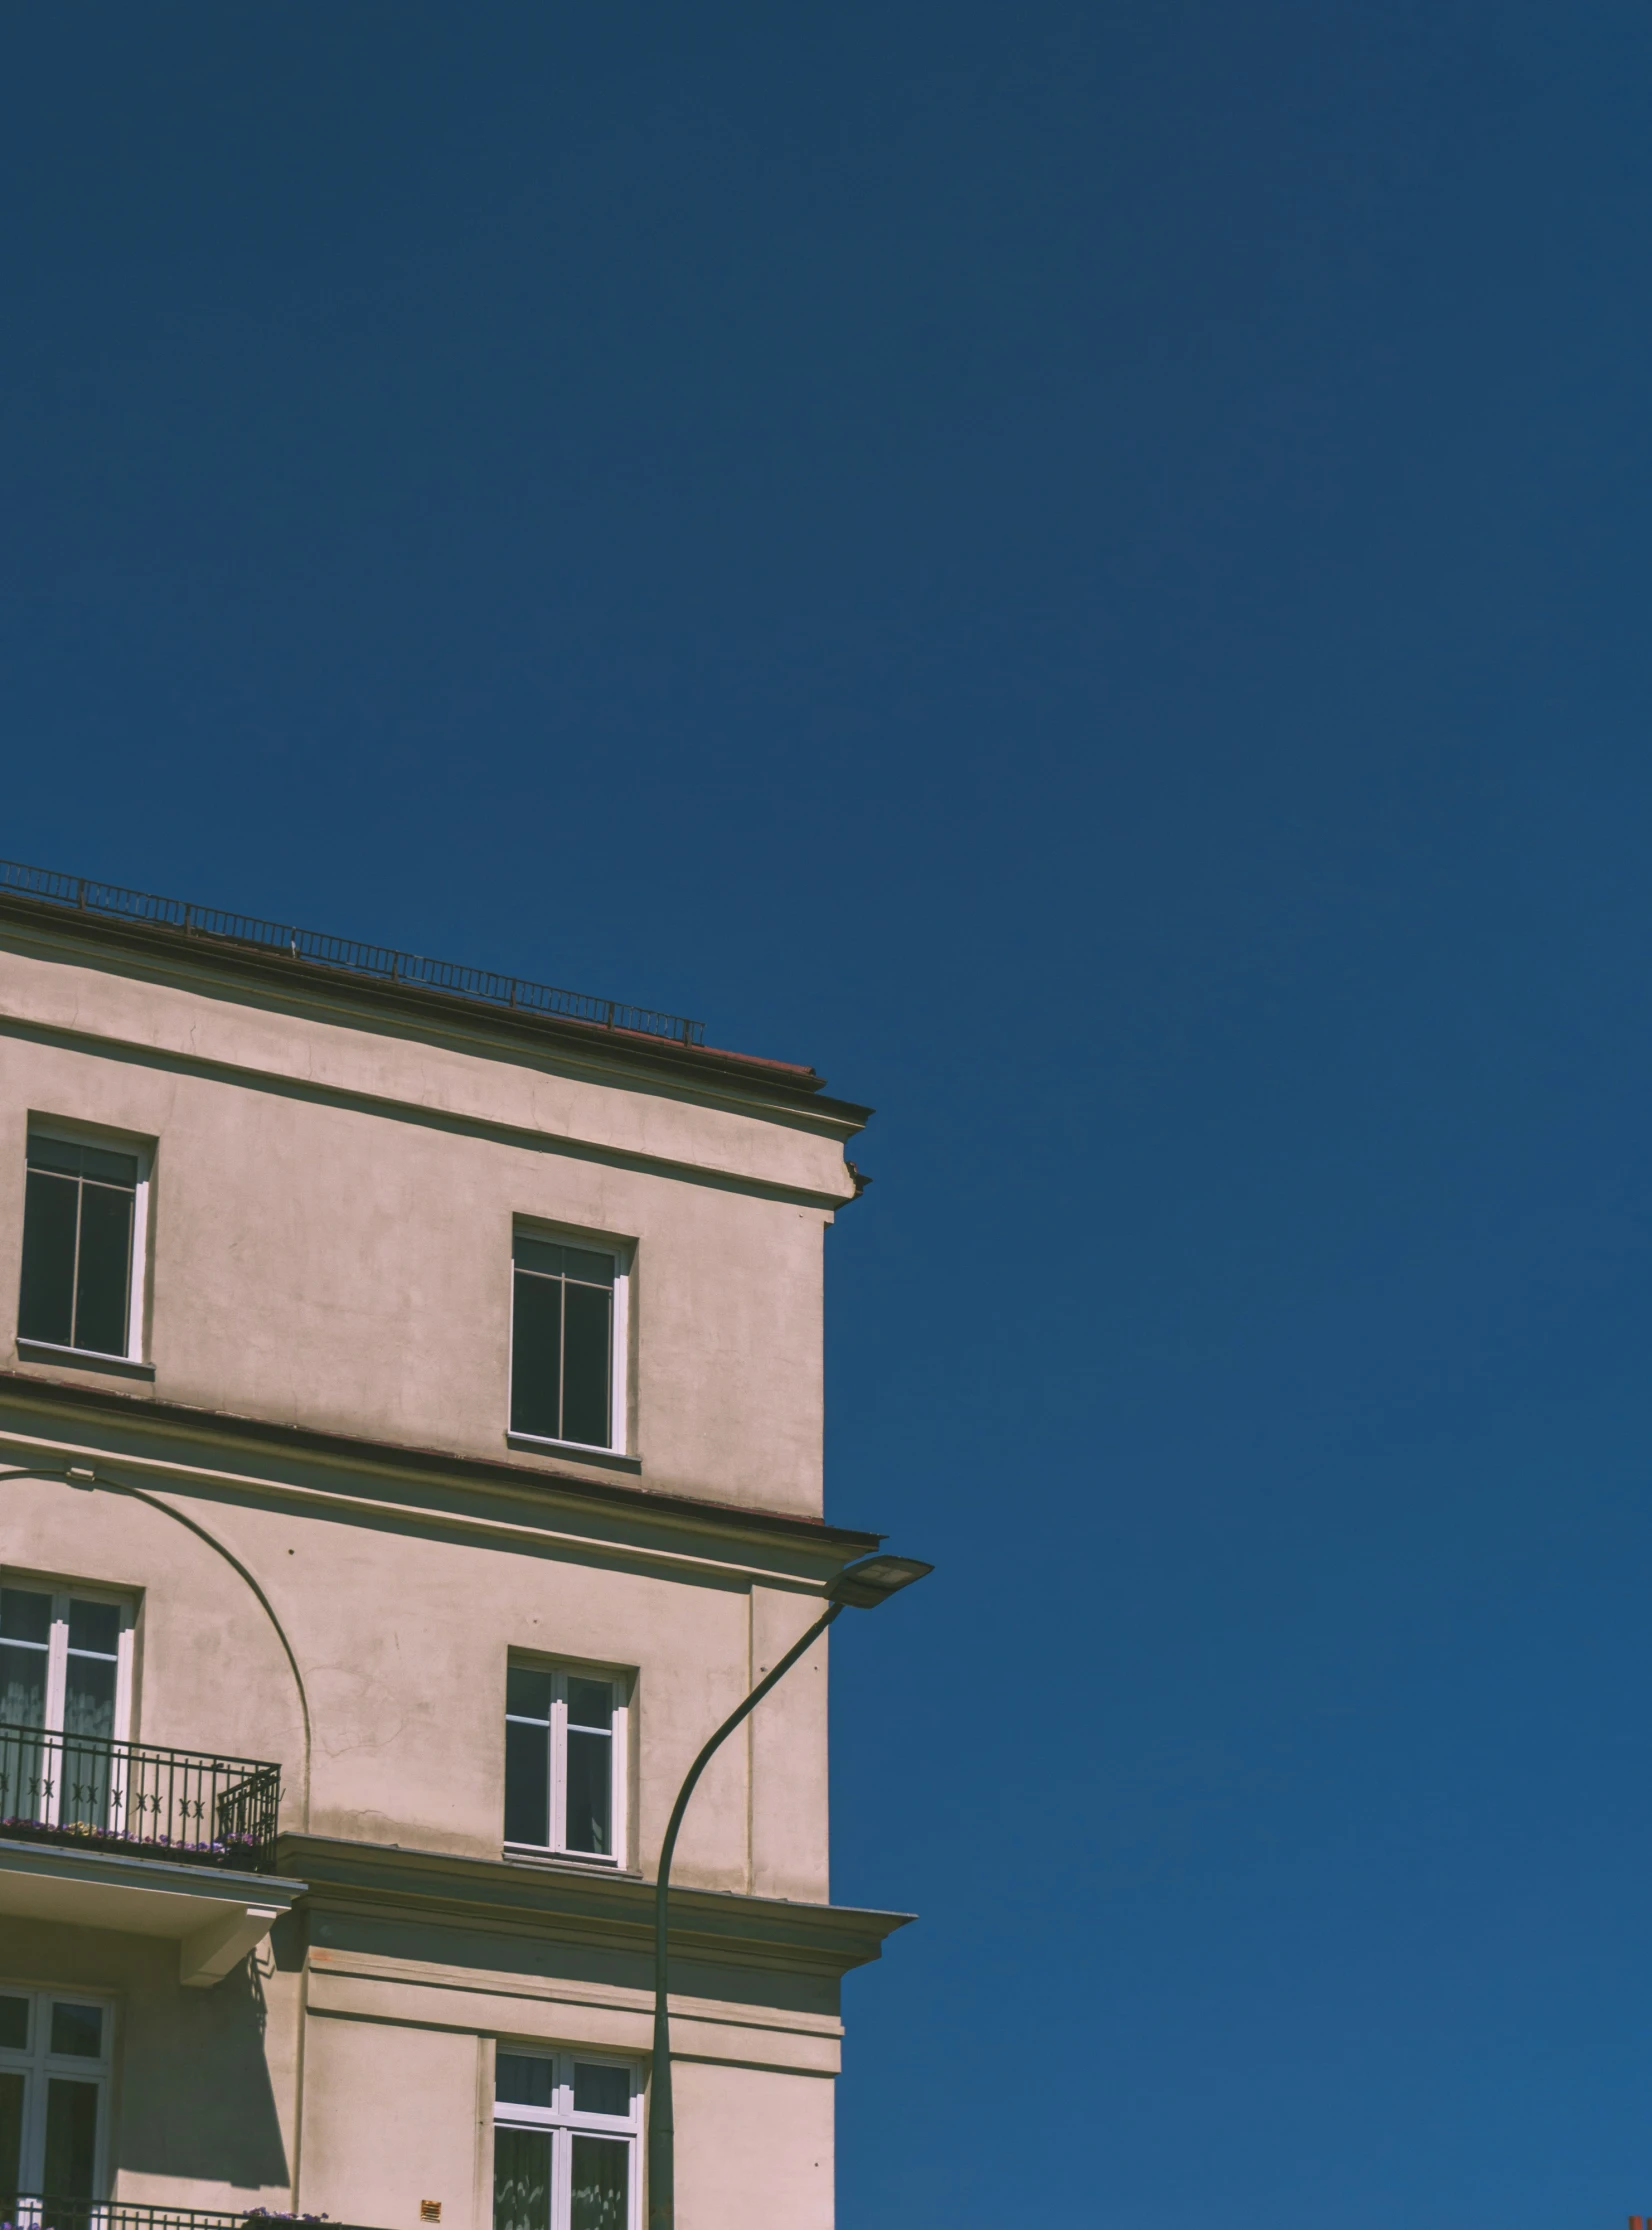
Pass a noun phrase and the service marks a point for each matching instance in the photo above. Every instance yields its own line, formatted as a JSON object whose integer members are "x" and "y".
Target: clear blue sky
{"x": 1085, "y": 569}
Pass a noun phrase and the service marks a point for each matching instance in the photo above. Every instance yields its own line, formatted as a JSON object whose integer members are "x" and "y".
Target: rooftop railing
{"x": 133, "y": 1798}
{"x": 380, "y": 963}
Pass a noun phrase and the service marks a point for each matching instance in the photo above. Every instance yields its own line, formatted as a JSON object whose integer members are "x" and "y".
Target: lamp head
{"x": 874, "y": 1579}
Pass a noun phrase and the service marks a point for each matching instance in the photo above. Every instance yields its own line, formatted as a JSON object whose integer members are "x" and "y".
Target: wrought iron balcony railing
{"x": 131, "y": 1797}
{"x": 26, "y": 2212}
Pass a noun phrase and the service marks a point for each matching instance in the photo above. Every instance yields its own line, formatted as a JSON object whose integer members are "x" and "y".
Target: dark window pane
{"x": 594, "y": 1269}
{"x": 528, "y": 1693}
{"x": 89, "y": 1710}
{"x": 71, "y": 2138}
{"x": 522, "y": 2080}
{"x": 537, "y": 1254}
{"x": 25, "y": 1615}
{"x": 84, "y": 1779}
{"x": 94, "y": 1626}
{"x": 602, "y": 2184}
{"x": 53, "y": 1153}
{"x": 22, "y": 1685}
{"x": 46, "y": 1307}
{"x": 24, "y": 1773}
{"x": 23, "y": 1769}
{"x": 527, "y": 1784}
{"x": 11, "y": 2143}
{"x": 590, "y": 1703}
{"x": 14, "y": 2024}
{"x": 590, "y": 1792}
{"x": 104, "y": 1271}
{"x": 585, "y": 1408}
{"x": 25, "y": 1629}
{"x": 108, "y": 1168}
{"x": 89, "y": 1698}
{"x": 521, "y": 2179}
{"x": 77, "y": 2030}
{"x": 601, "y": 2090}
{"x": 536, "y": 1358}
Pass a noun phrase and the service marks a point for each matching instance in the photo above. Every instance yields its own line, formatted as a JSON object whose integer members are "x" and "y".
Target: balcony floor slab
{"x": 214, "y": 1915}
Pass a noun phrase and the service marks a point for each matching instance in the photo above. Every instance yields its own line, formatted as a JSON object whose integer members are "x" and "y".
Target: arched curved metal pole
{"x": 662, "y": 2129}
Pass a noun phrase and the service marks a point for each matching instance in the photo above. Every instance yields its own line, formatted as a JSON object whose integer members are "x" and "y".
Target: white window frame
{"x": 561, "y": 2121}
{"x": 57, "y": 1645}
{"x": 619, "y": 1361}
{"x": 37, "y": 2064}
{"x": 56, "y": 1653}
{"x": 68, "y": 1133}
{"x": 619, "y": 1685}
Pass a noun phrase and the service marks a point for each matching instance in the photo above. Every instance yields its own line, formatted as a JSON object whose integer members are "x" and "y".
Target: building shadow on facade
{"x": 203, "y": 2108}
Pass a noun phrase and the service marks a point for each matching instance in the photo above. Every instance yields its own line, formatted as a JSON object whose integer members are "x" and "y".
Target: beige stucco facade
{"x": 303, "y": 1484}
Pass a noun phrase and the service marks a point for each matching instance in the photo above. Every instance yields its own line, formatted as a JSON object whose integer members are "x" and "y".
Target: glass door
{"x": 55, "y": 2054}
{"x": 25, "y": 1666}
{"x": 65, "y": 1681}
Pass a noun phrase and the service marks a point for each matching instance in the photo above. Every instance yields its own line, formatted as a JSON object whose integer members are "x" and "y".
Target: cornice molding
{"x": 613, "y": 1912}
{"x": 286, "y": 1084}
{"x": 543, "y": 1490}
{"x": 309, "y": 987}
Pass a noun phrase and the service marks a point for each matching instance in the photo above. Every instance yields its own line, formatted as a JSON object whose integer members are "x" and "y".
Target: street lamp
{"x": 860, "y": 1587}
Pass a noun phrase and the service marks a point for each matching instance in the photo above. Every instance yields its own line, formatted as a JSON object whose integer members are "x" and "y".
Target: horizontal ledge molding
{"x": 220, "y": 1429}
{"x": 309, "y": 980}
{"x": 83, "y": 1358}
{"x": 574, "y": 1451}
{"x": 705, "y": 1923}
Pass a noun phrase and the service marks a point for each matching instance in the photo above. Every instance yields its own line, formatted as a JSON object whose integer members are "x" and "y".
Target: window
{"x": 565, "y": 2134}
{"x": 565, "y": 1763}
{"x": 54, "y": 2084}
{"x": 65, "y": 1672}
{"x": 83, "y": 1218}
{"x": 567, "y": 1343}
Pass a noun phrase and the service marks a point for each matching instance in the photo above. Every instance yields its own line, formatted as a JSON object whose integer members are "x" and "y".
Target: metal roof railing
{"x": 379, "y": 963}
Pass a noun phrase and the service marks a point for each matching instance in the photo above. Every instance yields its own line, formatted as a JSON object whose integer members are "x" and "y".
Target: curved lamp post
{"x": 861, "y": 1586}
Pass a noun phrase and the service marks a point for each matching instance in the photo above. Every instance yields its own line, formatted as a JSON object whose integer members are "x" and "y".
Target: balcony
{"x": 32, "y": 2213}
{"x": 149, "y": 1841}
{"x": 183, "y": 1805}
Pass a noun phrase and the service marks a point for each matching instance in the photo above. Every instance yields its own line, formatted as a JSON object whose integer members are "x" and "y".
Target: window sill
{"x": 566, "y": 1862}
{"x": 576, "y": 1451}
{"x": 83, "y": 1358}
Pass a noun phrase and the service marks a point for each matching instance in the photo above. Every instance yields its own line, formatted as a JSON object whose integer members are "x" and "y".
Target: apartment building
{"x": 410, "y": 1450}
